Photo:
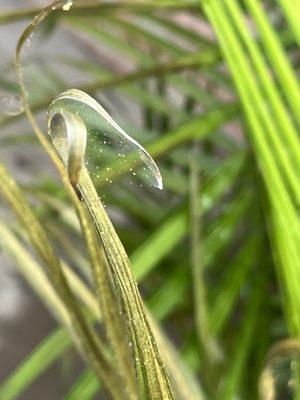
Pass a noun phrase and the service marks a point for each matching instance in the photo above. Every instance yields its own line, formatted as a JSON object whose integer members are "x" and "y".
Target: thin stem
{"x": 207, "y": 343}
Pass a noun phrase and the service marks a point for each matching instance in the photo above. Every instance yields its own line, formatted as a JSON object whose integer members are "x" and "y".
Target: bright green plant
{"x": 216, "y": 253}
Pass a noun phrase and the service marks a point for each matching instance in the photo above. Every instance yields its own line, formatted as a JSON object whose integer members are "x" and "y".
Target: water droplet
{"x": 11, "y": 104}
{"x": 67, "y": 5}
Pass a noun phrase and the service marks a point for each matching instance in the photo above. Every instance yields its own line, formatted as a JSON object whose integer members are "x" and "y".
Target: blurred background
{"x": 203, "y": 239}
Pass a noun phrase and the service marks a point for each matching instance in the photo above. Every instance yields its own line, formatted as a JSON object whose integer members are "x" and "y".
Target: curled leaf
{"x": 72, "y": 115}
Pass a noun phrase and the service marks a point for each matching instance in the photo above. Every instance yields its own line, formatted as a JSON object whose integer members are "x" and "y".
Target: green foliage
{"x": 216, "y": 254}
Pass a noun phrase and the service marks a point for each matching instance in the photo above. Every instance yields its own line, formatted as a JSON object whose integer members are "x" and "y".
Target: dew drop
{"x": 67, "y": 5}
{"x": 11, "y": 105}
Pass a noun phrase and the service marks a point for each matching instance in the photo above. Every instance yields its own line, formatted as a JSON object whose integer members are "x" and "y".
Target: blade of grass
{"x": 238, "y": 363}
{"x": 176, "y": 226}
{"x": 47, "y": 351}
{"x": 205, "y": 58}
{"x": 85, "y": 387}
{"x": 91, "y": 345}
{"x": 90, "y": 8}
{"x": 24, "y": 260}
{"x": 277, "y": 192}
{"x": 206, "y": 340}
{"x": 291, "y": 10}
{"x": 33, "y": 274}
{"x": 229, "y": 289}
{"x": 161, "y": 69}
{"x": 197, "y": 128}
{"x": 287, "y": 128}
{"x": 280, "y": 63}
